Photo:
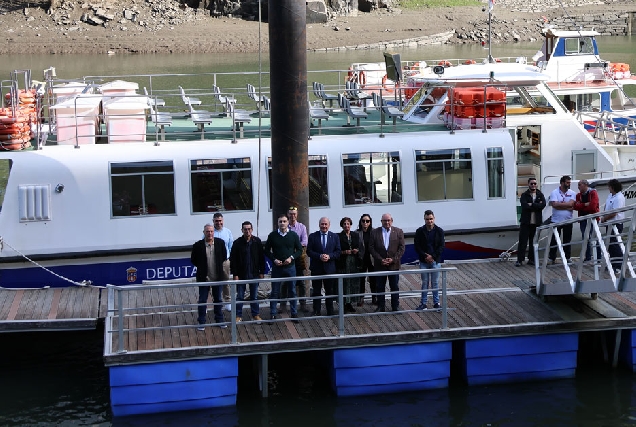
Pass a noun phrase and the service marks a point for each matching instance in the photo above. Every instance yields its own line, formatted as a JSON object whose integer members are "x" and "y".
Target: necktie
{"x": 324, "y": 241}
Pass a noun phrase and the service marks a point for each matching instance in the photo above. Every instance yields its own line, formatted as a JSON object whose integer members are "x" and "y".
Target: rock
{"x": 316, "y": 11}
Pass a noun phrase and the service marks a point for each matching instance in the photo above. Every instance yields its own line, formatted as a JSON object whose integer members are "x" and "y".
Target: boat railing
{"x": 136, "y": 309}
{"x": 558, "y": 273}
{"x": 611, "y": 127}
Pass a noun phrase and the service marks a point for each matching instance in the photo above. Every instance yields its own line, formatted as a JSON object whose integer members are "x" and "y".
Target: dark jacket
{"x": 537, "y": 206}
{"x": 238, "y": 263}
{"x": 344, "y": 245}
{"x": 282, "y": 247}
{"x": 421, "y": 243}
{"x": 314, "y": 250}
{"x": 200, "y": 260}
{"x": 395, "y": 251}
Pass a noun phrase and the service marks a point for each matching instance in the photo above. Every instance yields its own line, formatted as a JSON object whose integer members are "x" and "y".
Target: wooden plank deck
{"x": 71, "y": 308}
{"x": 485, "y": 299}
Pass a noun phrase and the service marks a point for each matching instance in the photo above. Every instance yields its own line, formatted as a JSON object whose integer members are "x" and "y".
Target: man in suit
{"x": 323, "y": 249}
{"x": 208, "y": 256}
{"x": 387, "y": 246}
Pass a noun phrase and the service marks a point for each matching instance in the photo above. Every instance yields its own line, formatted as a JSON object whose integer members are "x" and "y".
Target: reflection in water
{"x": 59, "y": 379}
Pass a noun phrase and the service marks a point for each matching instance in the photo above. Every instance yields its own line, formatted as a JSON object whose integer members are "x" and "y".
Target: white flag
{"x": 491, "y": 5}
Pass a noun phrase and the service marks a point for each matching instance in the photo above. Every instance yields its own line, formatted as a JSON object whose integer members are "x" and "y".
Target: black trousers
{"x": 614, "y": 249}
{"x": 331, "y": 286}
{"x": 526, "y": 236}
{"x": 565, "y": 239}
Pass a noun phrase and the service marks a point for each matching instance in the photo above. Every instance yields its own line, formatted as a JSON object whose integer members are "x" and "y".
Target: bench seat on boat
{"x": 386, "y": 110}
{"x": 188, "y": 100}
{"x": 239, "y": 117}
{"x": 160, "y": 120}
{"x": 154, "y": 101}
{"x": 352, "y": 112}
{"x": 318, "y": 113}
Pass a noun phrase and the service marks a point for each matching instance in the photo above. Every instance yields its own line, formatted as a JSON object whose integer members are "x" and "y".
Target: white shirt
{"x": 614, "y": 202}
{"x": 385, "y": 236}
{"x": 559, "y": 215}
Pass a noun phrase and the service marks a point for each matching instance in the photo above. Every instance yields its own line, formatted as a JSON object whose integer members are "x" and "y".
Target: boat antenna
{"x": 491, "y": 6}
{"x": 260, "y": 116}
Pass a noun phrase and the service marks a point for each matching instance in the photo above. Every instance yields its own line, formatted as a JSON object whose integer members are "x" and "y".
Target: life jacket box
{"x": 125, "y": 119}
{"x": 119, "y": 88}
{"x": 461, "y": 122}
{"x": 77, "y": 120}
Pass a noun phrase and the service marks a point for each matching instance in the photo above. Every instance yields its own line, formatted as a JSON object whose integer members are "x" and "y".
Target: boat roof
{"x": 513, "y": 74}
{"x": 562, "y": 33}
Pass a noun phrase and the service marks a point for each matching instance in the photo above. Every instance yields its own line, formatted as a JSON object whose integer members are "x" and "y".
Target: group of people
{"x": 564, "y": 202}
{"x": 365, "y": 249}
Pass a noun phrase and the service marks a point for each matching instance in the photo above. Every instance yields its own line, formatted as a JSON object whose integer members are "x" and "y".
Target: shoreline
{"x": 34, "y": 31}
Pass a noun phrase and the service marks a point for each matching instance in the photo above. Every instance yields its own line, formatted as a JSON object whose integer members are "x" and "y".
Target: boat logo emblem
{"x": 131, "y": 274}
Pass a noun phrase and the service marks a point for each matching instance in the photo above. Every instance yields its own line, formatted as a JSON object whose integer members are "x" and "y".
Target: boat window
{"x": 142, "y": 188}
{"x": 221, "y": 185}
{"x": 579, "y": 46}
{"x": 318, "y": 190}
{"x": 495, "y": 168}
{"x": 5, "y": 170}
{"x": 444, "y": 174}
{"x": 372, "y": 178}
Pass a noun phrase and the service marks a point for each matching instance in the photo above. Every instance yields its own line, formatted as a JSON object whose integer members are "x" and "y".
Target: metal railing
{"x": 118, "y": 311}
{"x": 605, "y": 277}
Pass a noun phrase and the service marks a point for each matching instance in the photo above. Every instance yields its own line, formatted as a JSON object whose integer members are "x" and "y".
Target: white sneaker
{"x": 228, "y": 307}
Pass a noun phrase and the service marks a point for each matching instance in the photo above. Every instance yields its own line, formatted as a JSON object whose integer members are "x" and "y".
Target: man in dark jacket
{"x": 532, "y": 204}
{"x": 429, "y": 245}
{"x": 323, "y": 249}
{"x": 208, "y": 256}
{"x": 247, "y": 261}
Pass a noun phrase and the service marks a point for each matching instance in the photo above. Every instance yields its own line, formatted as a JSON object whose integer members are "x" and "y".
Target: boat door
{"x": 583, "y": 164}
{"x": 528, "y": 145}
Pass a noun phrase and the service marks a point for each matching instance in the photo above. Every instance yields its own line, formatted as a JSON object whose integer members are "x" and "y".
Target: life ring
{"x": 362, "y": 78}
{"x": 386, "y": 87}
{"x": 15, "y": 145}
{"x": 15, "y": 137}
{"x": 497, "y": 60}
{"x": 469, "y": 62}
{"x": 445, "y": 63}
{"x": 8, "y": 120}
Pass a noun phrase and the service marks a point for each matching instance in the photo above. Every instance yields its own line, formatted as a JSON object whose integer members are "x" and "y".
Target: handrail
{"x": 117, "y": 311}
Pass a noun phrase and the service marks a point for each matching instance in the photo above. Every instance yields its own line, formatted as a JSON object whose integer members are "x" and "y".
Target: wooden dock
{"x": 486, "y": 298}
{"x": 50, "y": 309}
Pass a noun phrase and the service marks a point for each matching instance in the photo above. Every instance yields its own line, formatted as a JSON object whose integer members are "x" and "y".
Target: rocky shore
{"x": 166, "y": 26}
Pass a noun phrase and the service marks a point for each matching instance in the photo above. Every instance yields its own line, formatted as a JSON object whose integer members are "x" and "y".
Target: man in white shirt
{"x": 562, "y": 200}
{"x": 224, "y": 234}
{"x": 615, "y": 200}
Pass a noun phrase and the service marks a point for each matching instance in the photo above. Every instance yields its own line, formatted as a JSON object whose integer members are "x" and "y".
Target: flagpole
{"x": 490, "y": 7}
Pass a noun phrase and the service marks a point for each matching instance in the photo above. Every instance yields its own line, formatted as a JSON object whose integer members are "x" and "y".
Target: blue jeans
{"x": 203, "y": 299}
{"x": 287, "y": 271}
{"x": 434, "y": 282}
{"x": 240, "y": 297}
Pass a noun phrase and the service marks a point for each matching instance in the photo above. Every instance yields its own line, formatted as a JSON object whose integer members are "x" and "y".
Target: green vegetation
{"x": 424, "y": 4}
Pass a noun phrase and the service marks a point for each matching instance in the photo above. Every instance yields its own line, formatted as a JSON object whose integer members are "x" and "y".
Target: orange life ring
{"x": 469, "y": 62}
{"x": 362, "y": 78}
{"x": 15, "y": 137}
{"x": 15, "y": 145}
{"x": 445, "y": 63}
{"x": 497, "y": 60}
{"x": 385, "y": 86}
{"x": 9, "y": 120}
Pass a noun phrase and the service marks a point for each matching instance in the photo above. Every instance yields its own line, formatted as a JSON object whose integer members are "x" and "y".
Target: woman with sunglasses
{"x": 365, "y": 225}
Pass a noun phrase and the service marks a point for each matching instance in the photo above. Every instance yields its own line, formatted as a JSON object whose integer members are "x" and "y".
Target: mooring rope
{"x": 83, "y": 283}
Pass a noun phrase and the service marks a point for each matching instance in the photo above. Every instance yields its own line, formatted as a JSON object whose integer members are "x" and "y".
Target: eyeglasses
{"x": 533, "y": 183}
{"x": 366, "y": 220}
{"x": 292, "y": 208}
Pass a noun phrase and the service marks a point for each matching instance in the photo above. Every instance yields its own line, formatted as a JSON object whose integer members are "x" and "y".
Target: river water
{"x": 59, "y": 378}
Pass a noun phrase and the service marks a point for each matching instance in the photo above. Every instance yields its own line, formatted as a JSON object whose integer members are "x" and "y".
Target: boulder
{"x": 316, "y": 12}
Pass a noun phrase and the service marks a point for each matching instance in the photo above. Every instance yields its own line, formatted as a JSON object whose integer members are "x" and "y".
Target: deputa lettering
{"x": 631, "y": 194}
{"x": 170, "y": 272}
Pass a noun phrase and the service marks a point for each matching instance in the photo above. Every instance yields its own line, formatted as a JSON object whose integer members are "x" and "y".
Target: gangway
{"x": 567, "y": 277}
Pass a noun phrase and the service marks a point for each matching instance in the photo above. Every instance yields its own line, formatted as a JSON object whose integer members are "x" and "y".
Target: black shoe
{"x": 436, "y": 305}
{"x": 316, "y": 313}
{"x": 294, "y": 318}
{"x": 396, "y": 308}
{"x": 374, "y": 300}
{"x": 303, "y": 307}
{"x": 380, "y": 310}
{"x": 518, "y": 264}
{"x": 274, "y": 316}
{"x": 530, "y": 262}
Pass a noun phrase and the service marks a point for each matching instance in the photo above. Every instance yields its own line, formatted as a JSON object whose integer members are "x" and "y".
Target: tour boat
{"x": 117, "y": 185}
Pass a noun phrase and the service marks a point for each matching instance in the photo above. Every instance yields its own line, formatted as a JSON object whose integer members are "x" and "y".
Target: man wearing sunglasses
{"x": 532, "y": 204}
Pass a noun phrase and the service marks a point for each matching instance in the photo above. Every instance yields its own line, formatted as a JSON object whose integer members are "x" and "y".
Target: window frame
{"x": 417, "y": 162}
{"x": 371, "y": 164}
{"x": 503, "y": 163}
{"x": 221, "y": 171}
